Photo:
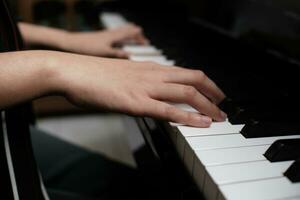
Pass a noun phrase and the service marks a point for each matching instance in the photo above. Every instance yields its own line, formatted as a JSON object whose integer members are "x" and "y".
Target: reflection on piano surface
{"x": 252, "y": 50}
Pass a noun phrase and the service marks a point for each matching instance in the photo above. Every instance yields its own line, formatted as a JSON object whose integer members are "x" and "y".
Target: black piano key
{"x": 228, "y": 106}
{"x": 293, "y": 172}
{"x": 246, "y": 109}
{"x": 264, "y": 113}
{"x": 256, "y": 129}
{"x": 283, "y": 150}
{"x": 241, "y": 116}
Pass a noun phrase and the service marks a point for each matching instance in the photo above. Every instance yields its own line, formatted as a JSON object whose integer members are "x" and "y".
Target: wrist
{"x": 53, "y": 72}
{"x": 63, "y": 72}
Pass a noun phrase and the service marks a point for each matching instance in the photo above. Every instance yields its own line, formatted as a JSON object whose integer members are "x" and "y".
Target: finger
{"x": 197, "y": 79}
{"x": 126, "y": 32}
{"x": 187, "y": 94}
{"x": 117, "y": 53}
{"x": 168, "y": 112}
{"x": 131, "y": 32}
{"x": 141, "y": 39}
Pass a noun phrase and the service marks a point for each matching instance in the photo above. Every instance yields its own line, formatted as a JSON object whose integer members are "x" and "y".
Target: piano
{"x": 251, "y": 50}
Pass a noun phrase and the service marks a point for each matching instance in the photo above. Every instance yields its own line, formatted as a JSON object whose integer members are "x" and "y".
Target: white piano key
{"x": 222, "y": 156}
{"x": 241, "y": 172}
{"x": 175, "y": 124}
{"x": 228, "y": 174}
{"x": 231, "y": 155}
{"x": 167, "y": 63}
{"x": 269, "y": 189}
{"x": 142, "y": 50}
{"x": 231, "y": 140}
{"x": 292, "y": 198}
{"x": 112, "y": 20}
{"x": 148, "y": 58}
{"x": 162, "y": 60}
{"x": 218, "y": 158}
{"x": 216, "y": 128}
{"x": 209, "y": 179}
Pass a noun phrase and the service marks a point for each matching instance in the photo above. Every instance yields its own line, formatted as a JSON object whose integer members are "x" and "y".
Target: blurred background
{"x": 70, "y": 14}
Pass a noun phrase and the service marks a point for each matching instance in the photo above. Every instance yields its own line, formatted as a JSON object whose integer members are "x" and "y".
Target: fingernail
{"x": 206, "y": 120}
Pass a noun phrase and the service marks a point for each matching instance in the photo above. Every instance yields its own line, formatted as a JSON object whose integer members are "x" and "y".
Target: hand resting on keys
{"x": 135, "y": 88}
{"x": 95, "y": 43}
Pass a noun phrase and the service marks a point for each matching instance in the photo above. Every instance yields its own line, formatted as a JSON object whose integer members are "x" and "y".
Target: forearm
{"x": 40, "y": 35}
{"x": 94, "y": 43}
{"x": 26, "y": 75}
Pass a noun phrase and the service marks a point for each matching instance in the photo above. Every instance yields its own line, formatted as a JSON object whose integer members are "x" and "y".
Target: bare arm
{"x": 21, "y": 77}
{"x": 96, "y": 43}
{"x": 40, "y": 35}
{"x": 136, "y": 88}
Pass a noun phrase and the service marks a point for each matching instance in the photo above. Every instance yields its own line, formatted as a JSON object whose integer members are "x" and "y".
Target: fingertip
{"x": 146, "y": 42}
{"x": 222, "y": 116}
{"x": 206, "y": 120}
{"x": 202, "y": 121}
{"x": 122, "y": 54}
{"x": 221, "y": 97}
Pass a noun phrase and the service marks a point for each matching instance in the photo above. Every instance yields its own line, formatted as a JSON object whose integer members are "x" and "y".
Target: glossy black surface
{"x": 260, "y": 80}
{"x": 283, "y": 150}
{"x": 293, "y": 172}
{"x": 257, "y": 129}
{"x": 262, "y": 86}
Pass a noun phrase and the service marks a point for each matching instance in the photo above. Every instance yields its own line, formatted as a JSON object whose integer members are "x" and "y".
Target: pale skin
{"x": 135, "y": 88}
{"x": 95, "y": 43}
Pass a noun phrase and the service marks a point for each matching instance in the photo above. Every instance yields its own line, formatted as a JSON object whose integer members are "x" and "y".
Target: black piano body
{"x": 250, "y": 48}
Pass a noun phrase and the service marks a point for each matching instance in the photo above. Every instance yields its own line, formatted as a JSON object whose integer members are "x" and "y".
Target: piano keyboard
{"x": 223, "y": 162}
{"x": 112, "y": 20}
